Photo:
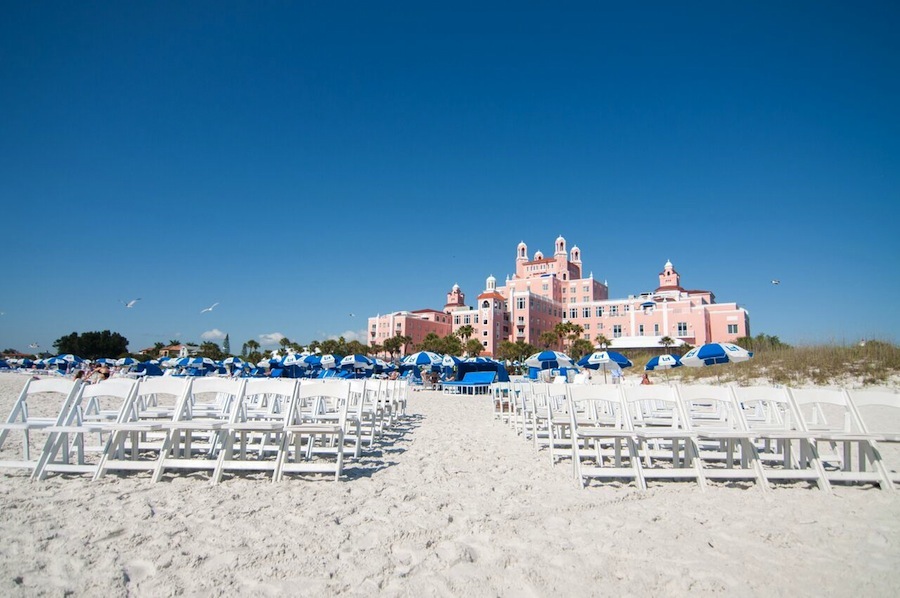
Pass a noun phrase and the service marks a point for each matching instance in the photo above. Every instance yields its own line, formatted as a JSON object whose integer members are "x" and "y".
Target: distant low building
{"x": 179, "y": 351}
{"x": 545, "y": 291}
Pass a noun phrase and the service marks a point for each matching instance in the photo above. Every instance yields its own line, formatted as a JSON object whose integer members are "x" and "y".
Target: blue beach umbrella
{"x": 548, "y": 360}
{"x": 67, "y": 358}
{"x": 311, "y": 361}
{"x": 479, "y": 360}
{"x": 329, "y": 361}
{"x": 195, "y": 362}
{"x": 357, "y": 361}
{"x": 715, "y": 354}
{"x": 449, "y": 361}
{"x": 663, "y": 362}
{"x": 420, "y": 358}
{"x": 126, "y": 361}
{"x": 606, "y": 361}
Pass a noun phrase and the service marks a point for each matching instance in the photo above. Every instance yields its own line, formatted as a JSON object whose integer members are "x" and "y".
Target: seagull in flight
{"x": 129, "y": 303}
{"x": 776, "y": 281}
{"x": 352, "y": 315}
{"x": 34, "y": 346}
{"x": 210, "y": 308}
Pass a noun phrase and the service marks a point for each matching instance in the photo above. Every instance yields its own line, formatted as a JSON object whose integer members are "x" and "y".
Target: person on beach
{"x": 646, "y": 380}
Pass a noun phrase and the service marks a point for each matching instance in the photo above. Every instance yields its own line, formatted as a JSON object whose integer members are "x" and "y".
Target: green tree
{"x": 211, "y": 350}
{"x": 451, "y": 345}
{"x": 548, "y": 339}
{"x": 579, "y": 348}
{"x": 226, "y": 346}
{"x": 474, "y": 347}
{"x": 602, "y": 342}
{"x": 667, "y": 341}
{"x": 465, "y": 332}
{"x": 354, "y": 347}
{"x": 431, "y": 342}
{"x": 93, "y": 345}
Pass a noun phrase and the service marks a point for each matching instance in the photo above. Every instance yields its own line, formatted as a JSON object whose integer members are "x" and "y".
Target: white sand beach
{"x": 451, "y": 503}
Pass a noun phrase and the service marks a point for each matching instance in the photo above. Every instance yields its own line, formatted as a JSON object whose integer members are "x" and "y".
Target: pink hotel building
{"x": 545, "y": 291}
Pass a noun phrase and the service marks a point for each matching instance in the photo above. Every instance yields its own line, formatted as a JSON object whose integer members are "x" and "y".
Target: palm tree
{"x": 601, "y": 341}
{"x": 575, "y": 332}
{"x": 465, "y": 332}
{"x": 667, "y": 341}
{"x": 548, "y": 339}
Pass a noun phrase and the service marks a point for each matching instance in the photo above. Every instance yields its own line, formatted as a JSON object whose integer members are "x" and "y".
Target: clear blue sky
{"x": 301, "y": 161}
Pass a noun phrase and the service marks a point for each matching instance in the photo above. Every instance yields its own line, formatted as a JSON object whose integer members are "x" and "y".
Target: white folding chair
{"x": 137, "y": 437}
{"x": 193, "y": 436}
{"x": 313, "y": 440}
{"x": 665, "y": 441}
{"x": 878, "y": 411}
{"x": 786, "y": 449}
{"x": 252, "y": 437}
{"x": 837, "y": 429}
{"x": 604, "y": 445}
{"x": 725, "y": 445}
{"x": 90, "y": 418}
{"x": 41, "y": 404}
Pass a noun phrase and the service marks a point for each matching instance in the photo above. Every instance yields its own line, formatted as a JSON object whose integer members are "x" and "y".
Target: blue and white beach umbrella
{"x": 357, "y": 361}
{"x": 479, "y": 360}
{"x": 450, "y": 361}
{"x": 420, "y": 358}
{"x": 126, "y": 361}
{"x": 311, "y": 361}
{"x": 608, "y": 361}
{"x": 293, "y": 359}
{"x": 329, "y": 361}
{"x": 715, "y": 354}
{"x": 547, "y": 360}
{"x": 68, "y": 358}
{"x": 195, "y": 362}
{"x": 106, "y": 360}
{"x": 663, "y": 362}
{"x": 234, "y": 361}
{"x": 605, "y": 360}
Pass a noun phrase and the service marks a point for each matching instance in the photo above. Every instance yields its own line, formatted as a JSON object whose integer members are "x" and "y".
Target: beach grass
{"x": 872, "y": 363}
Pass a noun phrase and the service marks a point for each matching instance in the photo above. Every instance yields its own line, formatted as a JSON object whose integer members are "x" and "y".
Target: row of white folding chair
{"x": 833, "y": 430}
{"x": 719, "y": 442}
{"x": 164, "y": 423}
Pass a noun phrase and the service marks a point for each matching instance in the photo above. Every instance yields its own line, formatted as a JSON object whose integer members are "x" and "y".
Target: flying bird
{"x": 352, "y": 315}
{"x": 210, "y": 308}
{"x": 776, "y": 281}
{"x": 129, "y": 303}
{"x": 34, "y": 346}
